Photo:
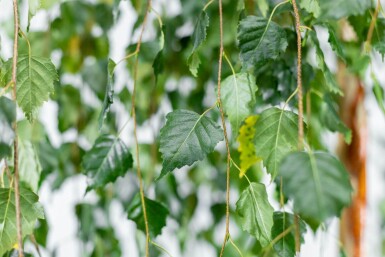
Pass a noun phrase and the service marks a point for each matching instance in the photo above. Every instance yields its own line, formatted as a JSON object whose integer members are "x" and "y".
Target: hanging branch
{"x": 139, "y": 173}
{"x": 300, "y": 109}
{"x": 227, "y": 232}
{"x": 16, "y": 155}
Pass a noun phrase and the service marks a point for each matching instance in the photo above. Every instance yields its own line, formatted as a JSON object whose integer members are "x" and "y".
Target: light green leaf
{"x": 263, "y": 6}
{"x": 317, "y": 182}
{"x": 312, "y": 6}
{"x": 186, "y": 138}
{"x": 329, "y": 77}
{"x": 109, "y": 95}
{"x": 31, "y": 210}
{"x": 29, "y": 165}
{"x": 276, "y": 135}
{"x": 107, "y": 160}
{"x": 7, "y": 116}
{"x": 238, "y": 98}
{"x": 379, "y": 94}
{"x": 285, "y": 246}
{"x": 256, "y": 212}
{"x": 35, "y": 82}
{"x": 156, "y": 214}
{"x": 193, "y": 63}
{"x": 331, "y": 120}
{"x": 260, "y": 41}
{"x": 336, "y": 9}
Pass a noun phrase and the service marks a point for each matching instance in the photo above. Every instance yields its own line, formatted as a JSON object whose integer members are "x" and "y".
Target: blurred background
{"x": 80, "y": 36}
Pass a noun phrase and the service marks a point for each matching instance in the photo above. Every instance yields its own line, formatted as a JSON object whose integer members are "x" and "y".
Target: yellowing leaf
{"x": 16, "y": 246}
{"x": 246, "y": 144}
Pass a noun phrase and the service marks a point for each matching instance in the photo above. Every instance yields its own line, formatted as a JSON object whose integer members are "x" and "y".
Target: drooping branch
{"x": 139, "y": 173}
{"x": 15, "y": 145}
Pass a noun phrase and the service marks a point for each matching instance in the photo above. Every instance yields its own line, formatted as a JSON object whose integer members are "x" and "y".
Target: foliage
{"x": 157, "y": 104}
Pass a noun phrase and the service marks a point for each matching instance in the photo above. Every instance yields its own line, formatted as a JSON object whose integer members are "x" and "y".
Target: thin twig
{"x": 139, "y": 173}
{"x": 372, "y": 25}
{"x": 15, "y": 145}
{"x": 300, "y": 109}
{"x": 227, "y": 232}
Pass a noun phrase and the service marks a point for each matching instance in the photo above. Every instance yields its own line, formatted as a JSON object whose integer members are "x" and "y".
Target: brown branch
{"x": 139, "y": 173}
{"x": 300, "y": 109}
{"x": 16, "y": 156}
{"x": 227, "y": 233}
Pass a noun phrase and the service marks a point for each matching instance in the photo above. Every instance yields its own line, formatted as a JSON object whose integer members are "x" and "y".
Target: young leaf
{"x": 109, "y": 96}
{"x": 285, "y": 246}
{"x": 238, "y": 98}
{"x": 186, "y": 138}
{"x": 260, "y": 41}
{"x": 31, "y": 211}
{"x": 107, "y": 160}
{"x": 193, "y": 63}
{"x": 35, "y": 82}
{"x": 7, "y": 116}
{"x": 276, "y": 135}
{"x": 331, "y": 120}
{"x": 156, "y": 214}
{"x": 317, "y": 182}
{"x": 29, "y": 165}
{"x": 256, "y": 212}
{"x": 329, "y": 77}
{"x": 246, "y": 147}
{"x": 311, "y": 6}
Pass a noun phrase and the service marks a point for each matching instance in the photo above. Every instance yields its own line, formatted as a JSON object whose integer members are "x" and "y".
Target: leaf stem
{"x": 235, "y": 246}
{"x": 15, "y": 144}
{"x": 161, "y": 248}
{"x": 372, "y": 25}
{"x": 277, "y": 238}
{"x": 139, "y": 173}
{"x": 227, "y": 231}
{"x": 208, "y": 4}
{"x": 300, "y": 108}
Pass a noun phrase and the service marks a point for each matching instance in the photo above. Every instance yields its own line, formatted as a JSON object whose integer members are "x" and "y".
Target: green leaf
{"x": 260, "y": 41}
{"x": 276, "y": 135}
{"x": 31, "y": 210}
{"x": 193, "y": 63}
{"x": 7, "y": 116}
{"x": 35, "y": 82}
{"x": 107, "y": 160}
{"x": 256, "y": 212}
{"x": 335, "y": 43}
{"x": 29, "y": 165}
{"x": 329, "y": 77}
{"x": 109, "y": 95}
{"x": 317, "y": 182}
{"x": 336, "y": 9}
{"x": 378, "y": 92}
{"x": 330, "y": 119}
{"x": 238, "y": 98}
{"x": 186, "y": 138}
{"x": 263, "y": 6}
{"x": 285, "y": 246}
{"x": 200, "y": 31}
{"x": 312, "y": 6}
{"x": 156, "y": 215}
{"x": 379, "y": 46}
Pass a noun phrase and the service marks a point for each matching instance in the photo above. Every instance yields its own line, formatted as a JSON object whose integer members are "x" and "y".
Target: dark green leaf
{"x": 7, "y": 116}
{"x": 200, "y": 31}
{"x": 31, "y": 211}
{"x": 317, "y": 182}
{"x": 335, "y": 43}
{"x": 276, "y": 135}
{"x": 186, "y": 138}
{"x": 379, "y": 94}
{"x": 29, "y": 165}
{"x": 285, "y": 246}
{"x": 238, "y": 98}
{"x": 109, "y": 95}
{"x": 260, "y": 41}
{"x": 108, "y": 159}
{"x": 256, "y": 212}
{"x": 156, "y": 214}
{"x": 331, "y": 120}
